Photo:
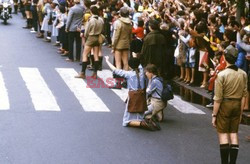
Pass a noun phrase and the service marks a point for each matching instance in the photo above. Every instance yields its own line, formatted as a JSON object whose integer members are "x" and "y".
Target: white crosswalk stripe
{"x": 41, "y": 95}
{"x": 4, "y": 98}
{"x": 43, "y": 99}
{"x": 184, "y": 106}
{"x": 85, "y": 95}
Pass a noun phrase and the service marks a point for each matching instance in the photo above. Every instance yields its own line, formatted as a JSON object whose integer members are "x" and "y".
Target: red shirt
{"x": 139, "y": 32}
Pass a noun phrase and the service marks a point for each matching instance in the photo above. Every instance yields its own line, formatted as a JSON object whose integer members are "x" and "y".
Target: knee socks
{"x": 233, "y": 153}
{"x": 224, "y": 153}
{"x": 100, "y": 63}
{"x": 96, "y": 66}
{"x": 84, "y": 66}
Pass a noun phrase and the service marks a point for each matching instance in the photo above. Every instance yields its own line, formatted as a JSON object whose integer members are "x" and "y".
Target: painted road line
{"x": 85, "y": 95}
{"x": 41, "y": 95}
{"x": 4, "y": 98}
{"x": 107, "y": 76}
{"x": 184, "y": 107}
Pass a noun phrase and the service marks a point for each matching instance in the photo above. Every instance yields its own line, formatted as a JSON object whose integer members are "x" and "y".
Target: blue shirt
{"x": 155, "y": 87}
{"x": 131, "y": 78}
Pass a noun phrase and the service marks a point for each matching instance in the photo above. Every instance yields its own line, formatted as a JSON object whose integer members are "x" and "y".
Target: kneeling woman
{"x": 154, "y": 90}
{"x": 133, "y": 119}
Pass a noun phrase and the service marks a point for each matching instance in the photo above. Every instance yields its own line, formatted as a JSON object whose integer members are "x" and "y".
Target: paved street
{"x": 49, "y": 117}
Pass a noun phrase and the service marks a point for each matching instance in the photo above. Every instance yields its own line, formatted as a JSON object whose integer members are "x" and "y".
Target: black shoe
{"x": 116, "y": 86}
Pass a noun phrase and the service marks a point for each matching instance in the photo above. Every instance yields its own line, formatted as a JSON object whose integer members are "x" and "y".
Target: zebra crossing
{"x": 43, "y": 99}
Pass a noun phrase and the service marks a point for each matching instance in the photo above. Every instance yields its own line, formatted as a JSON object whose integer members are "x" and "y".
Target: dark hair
{"x": 140, "y": 22}
{"x": 134, "y": 63}
{"x": 151, "y": 68}
{"x": 229, "y": 34}
{"x": 62, "y": 9}
{"x": 154, "y": 24}
{"x": 94, "y": 10}
{"x": 230, "y": 58}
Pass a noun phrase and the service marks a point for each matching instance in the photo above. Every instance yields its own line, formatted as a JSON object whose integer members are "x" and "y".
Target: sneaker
{"x": 33, "y": 31}
{"x": 211, "y": 105}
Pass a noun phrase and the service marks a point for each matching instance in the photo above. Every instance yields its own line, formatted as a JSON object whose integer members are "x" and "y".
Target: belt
{"x": 156, "y": 98}
{"x": 232, "y": 99}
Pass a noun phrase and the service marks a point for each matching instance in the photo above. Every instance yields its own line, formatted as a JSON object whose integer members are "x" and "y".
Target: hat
{"x": 55, "y": 2}
{"x": 124, "y": 11}
{"x": 134, "y": 63}
{"x": 231, "y": 50}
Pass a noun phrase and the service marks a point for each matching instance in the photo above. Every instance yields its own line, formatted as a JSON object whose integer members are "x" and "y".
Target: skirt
{"x": 203, "y": 59}
{"x": 92, "y": 41}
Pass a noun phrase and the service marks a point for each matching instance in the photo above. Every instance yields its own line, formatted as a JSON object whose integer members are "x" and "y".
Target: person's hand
{"x": 248, "y": 57}
{"x": 106, "y": 58}
{"x": 214, "y": 121}
{"x": 67, "y": 30}
{"x": 112, "y": 51}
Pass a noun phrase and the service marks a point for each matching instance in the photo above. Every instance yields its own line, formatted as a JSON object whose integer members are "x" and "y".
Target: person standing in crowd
{"x": 154, "y": 48}
{"x": 28, "y": 13}
{"x": 121, "y": 39}
{"x": 92, "y": 33}
{"x": 73, "y": 27}
{"x": 132, "y": 77}
{"x": 40, "y": 6}
{"x": 47, "y": 20}
{"x": 229, "y": 99}
{"x": 35, "y": 16}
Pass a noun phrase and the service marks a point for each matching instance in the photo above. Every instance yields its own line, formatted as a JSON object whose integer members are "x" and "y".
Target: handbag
{"x": 101, "y": 38}
{"x": 137, "y": 102}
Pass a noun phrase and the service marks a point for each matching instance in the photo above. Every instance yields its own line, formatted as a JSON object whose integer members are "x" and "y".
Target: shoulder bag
{"x": 137, "y": 99}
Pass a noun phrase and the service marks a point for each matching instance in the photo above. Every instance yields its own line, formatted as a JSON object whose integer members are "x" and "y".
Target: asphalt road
{"x": 73, "y": 133}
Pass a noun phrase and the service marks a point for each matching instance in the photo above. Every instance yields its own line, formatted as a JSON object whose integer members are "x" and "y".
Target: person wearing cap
{"x": 230, "y": 95}
{"x": 73, "y": 26}
{"x": 121, "y": 39}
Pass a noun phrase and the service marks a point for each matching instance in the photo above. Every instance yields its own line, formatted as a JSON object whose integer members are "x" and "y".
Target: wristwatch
{"x": 214, "y": 115}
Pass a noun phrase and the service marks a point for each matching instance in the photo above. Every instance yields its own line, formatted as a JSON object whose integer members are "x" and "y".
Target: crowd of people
{"x": 185, "y": 40}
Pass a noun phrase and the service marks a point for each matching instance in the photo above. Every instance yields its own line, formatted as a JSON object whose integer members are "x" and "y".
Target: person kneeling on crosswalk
{"x": 154, "y": 90}
{"x": 136, "y": 80}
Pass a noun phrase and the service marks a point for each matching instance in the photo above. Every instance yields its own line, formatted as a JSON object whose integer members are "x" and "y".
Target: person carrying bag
{"x": 136, "y": 102}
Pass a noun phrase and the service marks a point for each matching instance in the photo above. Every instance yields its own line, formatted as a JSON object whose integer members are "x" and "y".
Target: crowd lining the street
{"x": 171, "y": 39}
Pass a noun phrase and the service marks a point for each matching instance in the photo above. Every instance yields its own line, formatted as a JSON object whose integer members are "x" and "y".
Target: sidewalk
{"x": 197, "y": 95}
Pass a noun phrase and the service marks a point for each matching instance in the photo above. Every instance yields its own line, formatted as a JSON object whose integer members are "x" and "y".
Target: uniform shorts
{"x": 92, "y": 41}
{"x": 228, "y": 117}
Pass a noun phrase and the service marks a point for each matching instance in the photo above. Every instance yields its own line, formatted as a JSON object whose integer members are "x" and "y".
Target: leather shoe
{"x": 81, "y": 75}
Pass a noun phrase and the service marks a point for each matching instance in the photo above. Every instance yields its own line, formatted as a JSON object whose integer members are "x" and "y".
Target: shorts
{"x": 27, "y": 7}
{"x": 92, "y": 41}
{"x": 228, "y": 117}
{"x": 192, "y": 65}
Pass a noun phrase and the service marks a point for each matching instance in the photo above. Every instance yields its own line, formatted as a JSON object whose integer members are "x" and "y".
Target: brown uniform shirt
{"x": 230, "y": 84}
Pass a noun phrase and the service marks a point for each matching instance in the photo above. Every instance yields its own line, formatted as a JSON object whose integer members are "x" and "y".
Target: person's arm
{"x": 111, "y": 66}
{"x": 116, "y": 35}
{"x": 243, "y": 45}
{"x": 218, "y": 96}
{"x": 69, "y": 20}
{"x": 185, "y": 39}
{"x": 151, "y": 87}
